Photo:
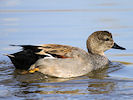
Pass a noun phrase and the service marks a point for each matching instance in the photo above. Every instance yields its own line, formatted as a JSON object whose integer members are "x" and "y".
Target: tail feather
{"x": 30, "y": 47}
{"x": 25, "y": 58}
{"x": 26, "y": 46}
{"x": 9, "y": 55}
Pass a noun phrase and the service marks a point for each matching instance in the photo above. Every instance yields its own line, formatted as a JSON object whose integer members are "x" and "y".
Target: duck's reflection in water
{"x": 101, "y": 87}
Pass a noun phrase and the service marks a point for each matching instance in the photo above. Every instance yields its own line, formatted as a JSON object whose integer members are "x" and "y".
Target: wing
{"x": 55, "y": 50}
{"x": 59, "y": 51}
{"x": 30, "y": 54}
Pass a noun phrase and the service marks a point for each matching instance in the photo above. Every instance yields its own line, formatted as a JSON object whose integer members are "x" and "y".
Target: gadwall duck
{"x": 65, "y": 61}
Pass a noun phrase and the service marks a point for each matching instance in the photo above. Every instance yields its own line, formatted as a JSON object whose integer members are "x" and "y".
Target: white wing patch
{"x": 48, "y": 56}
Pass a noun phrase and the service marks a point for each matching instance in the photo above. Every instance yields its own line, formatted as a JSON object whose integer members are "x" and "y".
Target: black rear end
{"x": 24, "y": 59}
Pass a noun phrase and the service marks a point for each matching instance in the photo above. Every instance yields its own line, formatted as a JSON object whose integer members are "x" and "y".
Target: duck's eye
{"x": 107, "y": 39}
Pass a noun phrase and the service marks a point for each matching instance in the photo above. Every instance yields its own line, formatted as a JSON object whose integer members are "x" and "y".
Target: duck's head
{"x": 100, "y": 41}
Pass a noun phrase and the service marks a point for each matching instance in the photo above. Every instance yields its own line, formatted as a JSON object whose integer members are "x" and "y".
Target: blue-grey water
{"x": 66, "y": 22}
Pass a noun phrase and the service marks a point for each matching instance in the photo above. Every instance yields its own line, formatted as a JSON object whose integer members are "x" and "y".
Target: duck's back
{"x": 30, "y": 54}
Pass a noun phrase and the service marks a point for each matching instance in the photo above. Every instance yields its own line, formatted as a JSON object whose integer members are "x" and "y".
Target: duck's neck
{"x": 95, "y": 52}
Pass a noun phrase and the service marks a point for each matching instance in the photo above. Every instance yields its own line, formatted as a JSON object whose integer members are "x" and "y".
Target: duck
{"x": 64, "y": 61}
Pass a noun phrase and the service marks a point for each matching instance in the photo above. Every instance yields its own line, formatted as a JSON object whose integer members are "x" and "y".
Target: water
{"x": 66, "y": 22}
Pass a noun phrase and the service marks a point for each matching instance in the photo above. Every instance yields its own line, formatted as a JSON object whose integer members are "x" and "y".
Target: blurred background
{"x": 67, "y": 22}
